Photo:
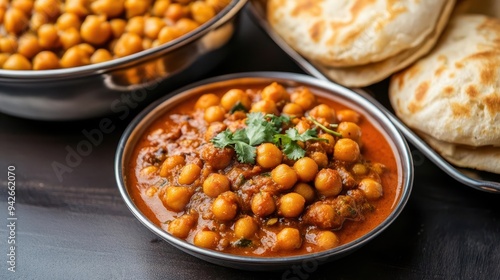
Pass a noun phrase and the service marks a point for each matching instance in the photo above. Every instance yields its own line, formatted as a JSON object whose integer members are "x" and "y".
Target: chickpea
{"x": 167, "y": 34}
{"x": 185, "y": 25}
{"x": 136, "y": 7}
{"x": 321, "y": 215}
{"x": 68, "y": 20}
{"x": 305, "y": 191}
{"x": 128, "y": 44}
{"x": 110, "y": 8}
{"x": 69, "y": 38}
{"x": 17, "y": 62}
{"x": 148, "y": 171}
{"x": 306, "y": 169}
{"x": 189, "y": 174}
{"x": 153, "y": 26}
{"x": 176, "y": 11}
{"x": 95, "y": 30}
{"x": 117, "y": 27}
{"x": 8, "y": 44}
{"x": 2, "y": 13}
{"x": 170, "y": 164}
{"x": 268, "y": 155}
{"x": 75, "y": 56}
{"x": 217, "y": 158}
{"x": 176, "y": 198}
{"x": 50, "y": 8}
{"x": 378, "y": 168}
{"x": 327, "y": 240}
{"x": 320, "y": 158}
{"x": 284, "y": 176}
{"x": 218, "y": 4}
{"x": 48, "y": 36}
{"x": 214, "y": 114}
{"x": 225, "y": 206}
{"x": 304, "y": 98}
{"x": 245, "y": 227}
{"x": 327, "y": 145}
{"x": 371, "y": 188}
{"x": 349, "y": 130}
{"x": 292, "y": 109}
{"x": 23, "y": 5}
{"x": 359, "y": 169}
{"x": 291, "y": 205}
{"x": 202, "y": 12}
{"x": 151, "y": 191}
{"x": 232, "y": 97}
{"x": 135, "y": 25}
{"x": 288, "y": 239}
{"x": 160, "y": 7}
{"x": 328, "y": 182}
{"x": 263, "y": 204}
{"x": 206, "y": 239}
{"x": 323, "y": 112}
{"x": 37, "y": 20}
{"x": 45, "y": 60}
{"x": 181, "y": 226}
{"x": 348, "y": 116}
{"x": 100, "y": 55}
{"x": 3, "y": 59}
{"x": 215, "y": 184}
{"x": 265, "y": 106}
{"x": 15, "y": 21}
{"x": 275, "y": 92}
{"x": 346, "y": 149}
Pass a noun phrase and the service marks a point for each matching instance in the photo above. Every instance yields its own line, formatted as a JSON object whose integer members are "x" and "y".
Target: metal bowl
{"x": 98, "y": 89}
{"x": 336, "y": 92}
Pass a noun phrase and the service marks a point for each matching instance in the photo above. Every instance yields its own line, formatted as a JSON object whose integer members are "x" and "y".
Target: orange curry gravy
{"x": 182, "y": 132}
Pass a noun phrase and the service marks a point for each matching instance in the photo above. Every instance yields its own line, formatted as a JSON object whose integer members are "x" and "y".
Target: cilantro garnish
{"x": 238, "y": 107}
{"x": 264, "y": 129}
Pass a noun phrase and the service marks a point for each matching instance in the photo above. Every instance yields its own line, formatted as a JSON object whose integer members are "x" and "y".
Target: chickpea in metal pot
{"x": 216, "y": 184}
{"x": 327, "y": 240}
{"x": 346, "y": 149}
{"x": 288, "y": 239}
{"x": 8, "y": 44}
{"x": 180, "y": 227}
{"x": 100, "y": 55}
{"x": 232, "y": 97}
{"x": 201, "y": 11}
{"x": 68, "y": 20}
{"x": 95, "y": 30}
{"x": 265, "y": 106}
{"x": 275, "y": 92}
{"x": 214, "y": 114}
{"x": 170, "y": 164}
{"x": 291, "y": 205}
{"x": 268, "y": 155}
{"x": 323, "y": 112}
{"x": 176, "y": 198}
{"x": 245, "y": 227}
{"x": 45, "y": 60}
{"x": 15, "y": 21}
{"x": 292, "y": 109}
{"x": 189, "y": 174}
{"x": 304, "y": 98}
{"x": 110, "y": 8}
{"x": 225, "y": 206}
{"x": 153, "y": 26}
{"x": 206, "y": 239}
{"x": 306, "y": 169}
{"x": 328, "y": 182}
{"x": 17, "y": 62}
{"x": 306, "y": 191}
{"x": 350, "y": 130}
{"x": 69, "y": 38}
{"x": 263, "y": 204}
{"x": 371, "y": 188}
{"x": 136, "y": 7}
{"x": 347, "y": 115}
{"x": 127, "y": 44}
{"x": 284, "y": 176}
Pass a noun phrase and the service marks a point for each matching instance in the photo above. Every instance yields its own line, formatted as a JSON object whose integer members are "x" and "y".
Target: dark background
{"x": 81, "y": 229}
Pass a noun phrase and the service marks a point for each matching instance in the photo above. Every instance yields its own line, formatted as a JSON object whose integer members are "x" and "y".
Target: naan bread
{"x": 486, "y": 158}
{"x": 365, "y": 75}
{"x": 484, "y": 7}
{"x": 453, "y": 94}
{"x": 343, "y": 33}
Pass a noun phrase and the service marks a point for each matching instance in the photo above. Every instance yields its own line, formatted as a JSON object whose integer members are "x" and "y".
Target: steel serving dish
{"x": 340, "y": 94}
{"x": 94, "y": 90}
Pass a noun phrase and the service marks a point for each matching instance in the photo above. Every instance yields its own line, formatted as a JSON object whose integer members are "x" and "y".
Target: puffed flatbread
{"x": 453, "y": 93}
{"x": 342, "y": 33}
{"x": 484, "y": 7}
{"x": 486, "y": 158}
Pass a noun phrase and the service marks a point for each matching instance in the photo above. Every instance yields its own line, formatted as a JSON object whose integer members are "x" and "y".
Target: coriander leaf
{"x": 245, "y": 153}
{"x": 278, "y": 121}
{"x": 223, "y": 139}
{"x": 238, "y": 107}
{"x": 256, "y": 134}
{"x": 293, "y": 151}
{"x": 255, "y": 118}
{"x": 243, "y": 243}
{"x": 240, "y": 135}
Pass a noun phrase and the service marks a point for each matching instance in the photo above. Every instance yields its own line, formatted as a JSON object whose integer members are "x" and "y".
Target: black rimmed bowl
{"x": 340, "y": 94}
{"x": 99, "y": 89}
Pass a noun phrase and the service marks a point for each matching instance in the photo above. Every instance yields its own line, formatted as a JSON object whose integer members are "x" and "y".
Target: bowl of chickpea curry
{"x": 264, "y": 170}
{"x": 71, "y": 59}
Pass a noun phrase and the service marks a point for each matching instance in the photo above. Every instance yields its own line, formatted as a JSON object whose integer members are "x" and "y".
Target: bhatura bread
{"x": 485, "y": 158}
{"x": 453, "y": 94}
{"x": 342, "y": 33}
{"x": 365, "y": 75}
{"x": 484, "y": 7}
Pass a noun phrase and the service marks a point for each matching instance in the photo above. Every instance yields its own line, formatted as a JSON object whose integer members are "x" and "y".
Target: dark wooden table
{"x": 79, "y": 227}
